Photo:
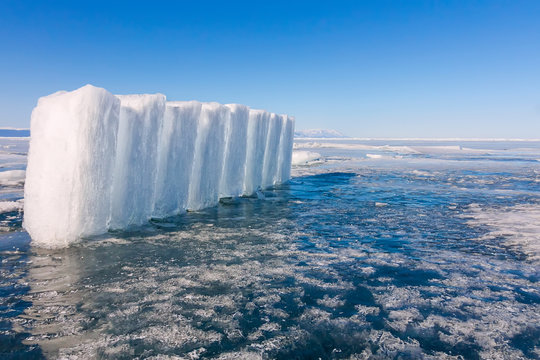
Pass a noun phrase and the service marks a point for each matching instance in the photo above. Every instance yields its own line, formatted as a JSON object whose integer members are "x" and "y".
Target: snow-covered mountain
{"x": 318, "y": 133}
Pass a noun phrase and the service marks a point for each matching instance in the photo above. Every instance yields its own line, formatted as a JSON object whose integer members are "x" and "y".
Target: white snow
{"x": 355, "y": 146}
{"x": 305, "y": 157}
{"x": 100, "y": 162}
{"x": 518, "y": 225}
{"x": 12, "y": 177}
{"x": 9, "y": 206}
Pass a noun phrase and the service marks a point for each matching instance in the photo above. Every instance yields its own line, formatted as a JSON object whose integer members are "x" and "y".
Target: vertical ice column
{"x": 175, "y": 157}
{"x": 141, "y": 118}
{"x": 285, "y": 150}
{"x": 70, "y": 165}
{"x": 256, "y": 146}
{"x": 271, "y": 153}
{"x": 232, "y": 175}
{"x": 208, "y": 157}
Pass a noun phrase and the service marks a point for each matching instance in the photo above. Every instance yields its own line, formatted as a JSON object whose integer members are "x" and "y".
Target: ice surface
{"x": 417, "y": 256}
{"x": 100, "y": 162}
{"x": 519, "y": 225}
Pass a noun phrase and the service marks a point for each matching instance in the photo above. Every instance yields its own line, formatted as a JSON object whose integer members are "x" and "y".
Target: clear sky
{"x": 375, "y": 68}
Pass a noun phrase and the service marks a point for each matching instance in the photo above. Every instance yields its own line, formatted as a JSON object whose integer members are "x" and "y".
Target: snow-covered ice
{"x": 300, "y": 157}
{"x": 12, "y": 177}
{"x": 100, "y": 162}
{"x": 8, "y": 206}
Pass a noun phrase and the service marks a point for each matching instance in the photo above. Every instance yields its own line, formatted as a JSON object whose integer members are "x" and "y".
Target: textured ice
{"x": 100, "y": 162}
{"x": 441, "y": 271}
{"x": 519, "y": 225}
{"x": 9, "y": 206}
{"x": 300, "y": 157}
{"x": 12, "y": 177}
{"x": 71, "y": 165}
{"x": 176, "y": 149}
{"x": 140, "y": 121}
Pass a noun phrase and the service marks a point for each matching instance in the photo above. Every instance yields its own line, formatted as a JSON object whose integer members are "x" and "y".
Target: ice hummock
{"x": 100, "y": 162}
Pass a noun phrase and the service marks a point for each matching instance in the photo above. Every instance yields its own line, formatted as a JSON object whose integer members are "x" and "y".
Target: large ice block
{"x": 71, "y": 160}
{"x": 100, "y": 162}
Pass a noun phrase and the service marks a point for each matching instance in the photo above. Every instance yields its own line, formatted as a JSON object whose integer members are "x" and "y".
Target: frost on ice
{"x": 100, "y": 162}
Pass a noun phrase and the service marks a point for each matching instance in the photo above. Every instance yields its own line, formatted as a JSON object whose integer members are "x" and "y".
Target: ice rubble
{"x": 305, "y": 157}
{"x": 100, "y": 162}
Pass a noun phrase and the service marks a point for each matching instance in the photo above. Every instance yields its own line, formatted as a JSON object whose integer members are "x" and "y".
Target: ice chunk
{"x": 141, "y": 117}
{"x": 70, "y": 165}
{"x": 175, "y": 157}
{"x": 208, "y": 157}
{"x": 9, "y": 206}
{"x": 233, "y": 172}
{"x": 100, "y": 162}
{"x": 286, "y": 150}
{"x": 304, "y": 157}
{"x": 271, "y": 153}
{"x": 12, "y": 177}
{"x": 256, "y": 146}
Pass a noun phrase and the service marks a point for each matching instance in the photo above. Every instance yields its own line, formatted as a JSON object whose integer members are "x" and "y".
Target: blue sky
{"x": 367, "y": 68}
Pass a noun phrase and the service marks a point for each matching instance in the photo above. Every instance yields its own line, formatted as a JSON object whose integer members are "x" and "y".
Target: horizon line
{"x": 417, "y": 139}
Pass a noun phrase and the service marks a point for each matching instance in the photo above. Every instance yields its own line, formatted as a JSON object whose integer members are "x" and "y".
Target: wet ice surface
{"x": 375, "y": 252}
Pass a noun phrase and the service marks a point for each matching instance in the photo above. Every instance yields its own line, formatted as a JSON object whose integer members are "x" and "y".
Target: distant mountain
{"x": 10, "y": 132}
{"x": 319, "y": 133}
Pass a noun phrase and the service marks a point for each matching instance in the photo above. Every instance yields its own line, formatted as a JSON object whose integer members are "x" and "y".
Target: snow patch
{"x": 300, "y": 158}
{"x": 519, "y": 226}
{"x": 9, "y": 206}
{"x": 12, "y": 177}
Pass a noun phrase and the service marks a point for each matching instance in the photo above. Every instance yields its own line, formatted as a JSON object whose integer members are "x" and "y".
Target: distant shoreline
{"x": 25, "y": 133}
{"x": 418, "y": 139}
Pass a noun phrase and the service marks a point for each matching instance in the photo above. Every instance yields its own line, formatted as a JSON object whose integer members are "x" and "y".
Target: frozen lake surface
{"x": 375, "y": 249}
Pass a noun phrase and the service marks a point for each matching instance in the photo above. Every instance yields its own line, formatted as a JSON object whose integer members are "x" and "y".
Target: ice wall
{"x": 100, "y": 162}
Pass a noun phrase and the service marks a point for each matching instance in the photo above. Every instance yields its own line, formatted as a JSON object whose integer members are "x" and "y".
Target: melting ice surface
{"x": 376, "y": 249}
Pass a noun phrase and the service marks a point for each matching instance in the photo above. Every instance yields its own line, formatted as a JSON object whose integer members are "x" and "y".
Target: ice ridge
{"x": 100, "y": 162}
